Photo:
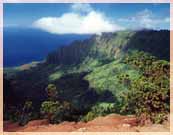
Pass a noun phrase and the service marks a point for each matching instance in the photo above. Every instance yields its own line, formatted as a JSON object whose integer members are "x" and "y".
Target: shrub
{"x": 56, "y": 112}
{"x": 100, "y": 109}
{"x": 90, "y": 116}
{"x": 26, "y": 113}
{"x": 49, "y": 109}
{"x": 146, "y": 98}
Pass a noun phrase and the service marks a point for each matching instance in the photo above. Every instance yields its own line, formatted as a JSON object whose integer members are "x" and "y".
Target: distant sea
{"x": 24, "y": 45}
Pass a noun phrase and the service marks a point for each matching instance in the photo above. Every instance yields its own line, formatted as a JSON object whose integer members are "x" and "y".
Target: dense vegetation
{"x": 126, "y": 72}
{"x": 148, "y": 97}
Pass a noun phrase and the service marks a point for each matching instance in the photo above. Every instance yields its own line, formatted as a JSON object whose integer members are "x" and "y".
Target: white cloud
{"x": 145, "y": 19}
{"x": 74, "y": 22}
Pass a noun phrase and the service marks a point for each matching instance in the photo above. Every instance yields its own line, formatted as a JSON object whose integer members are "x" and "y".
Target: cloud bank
{"x": 82, "y": 20}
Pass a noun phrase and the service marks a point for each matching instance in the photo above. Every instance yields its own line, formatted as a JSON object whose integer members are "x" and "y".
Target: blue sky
{"x": 87, "y": 18}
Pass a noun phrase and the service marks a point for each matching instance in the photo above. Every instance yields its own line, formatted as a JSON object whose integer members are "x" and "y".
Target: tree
{"x": 49, "y": 109}
{"x": 55, "y": 111}
{"x": 26, "y": 113}
{"x": 52, "y": 92}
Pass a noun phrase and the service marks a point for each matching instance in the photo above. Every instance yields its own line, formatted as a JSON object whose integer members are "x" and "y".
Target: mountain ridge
{"x": 112, "y": 45}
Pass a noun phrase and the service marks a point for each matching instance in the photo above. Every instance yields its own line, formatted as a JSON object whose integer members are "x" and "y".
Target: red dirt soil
{"x": 110, "y": 123}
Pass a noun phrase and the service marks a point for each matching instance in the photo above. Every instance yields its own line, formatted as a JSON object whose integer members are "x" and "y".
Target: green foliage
{"x": 148, "y": 95}
{"x": 100, "y": 109}
{"x": 90, "y": 116}
{"x": 49, "y": 109}
{"x": 90, "y": 63}
{"x": 52, "y": 92}
{"x": 56, "y": 75}
{"x": 106, "y": 77}
{"x": 21, "y": 115}
{"x": 26, "y": 113}
{"x": 139, "y": 59}
{"x": 56, "y": 112}
{"x": 160, "y": 117}
{"x": 124, "y": 79}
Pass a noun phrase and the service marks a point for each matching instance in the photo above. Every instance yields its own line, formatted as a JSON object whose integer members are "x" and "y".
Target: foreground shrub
{"x": 147, "y": 100}
{"x": 56, "y": 112}
{"x": 26, "y": 113}
{"x": 49, "y": 109}
{"x": 148, "y": 97}
{"x": 100, "y": 109}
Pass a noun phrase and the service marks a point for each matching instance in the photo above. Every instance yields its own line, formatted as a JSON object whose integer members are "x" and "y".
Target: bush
{"x": 26, "y": 113}
{"x": 49, "y": 109}
{"x": 146, "y": 98}
{"x": 56, "y": 112}
{"x": 90, "y": 116}
{"x": 100, "y": 109}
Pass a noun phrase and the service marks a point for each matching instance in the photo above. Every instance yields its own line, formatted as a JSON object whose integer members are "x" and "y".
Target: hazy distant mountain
{"x": 25, "y": 45}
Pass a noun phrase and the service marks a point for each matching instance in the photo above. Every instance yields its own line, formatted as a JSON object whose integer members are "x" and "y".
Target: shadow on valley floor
{"x": 72, "y": 88}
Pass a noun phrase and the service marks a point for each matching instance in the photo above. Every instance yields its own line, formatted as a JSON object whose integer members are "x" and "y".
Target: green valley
{"x": 125, "y": 72}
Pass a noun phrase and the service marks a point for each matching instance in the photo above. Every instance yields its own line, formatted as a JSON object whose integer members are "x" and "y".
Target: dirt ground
{"x": 110, "y": 123}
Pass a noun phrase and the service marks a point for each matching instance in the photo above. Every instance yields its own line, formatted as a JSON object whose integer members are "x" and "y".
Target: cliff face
{"x": 73, "y": 53}
{"x": 112, "y": 45}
